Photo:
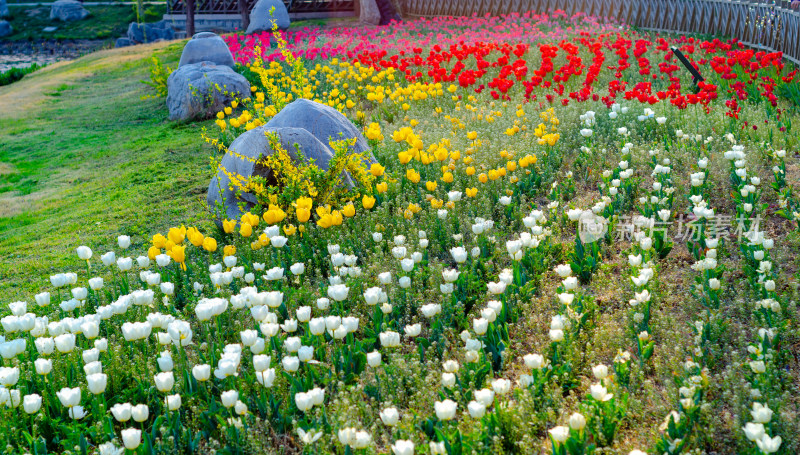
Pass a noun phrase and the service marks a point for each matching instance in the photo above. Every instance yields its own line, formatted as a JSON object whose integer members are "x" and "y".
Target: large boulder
{"x": 203, "y": 89}
{"x": 5, "y": 28}
{"x": 324, "y": 122}
{"x": 68, "y": 10}
{"x": 206, "y": 47}
{"x": 4, "y": 9}
{"x": 260, "y": 19}
{"x": 370, "y": 14}
{"x": 122, "y": 42}
{"x": 242, "y": 162}
{"x": 147, "y": 33}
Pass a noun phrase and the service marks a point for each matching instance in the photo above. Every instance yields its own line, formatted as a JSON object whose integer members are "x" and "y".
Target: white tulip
{"x": 445, "y": 410}
{"x": 122, "y": 411}
{"x": 403, "y": 447}
{"x": 84, "y": 253}
{"x": 390, "y": 416}
{"x": 132, "y": 438}
{"x": 32, "y": 403}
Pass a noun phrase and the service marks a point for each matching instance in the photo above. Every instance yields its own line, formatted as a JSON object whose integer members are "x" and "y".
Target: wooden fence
{"x": 232, "y": 7}
{"x": 767, "y": 25}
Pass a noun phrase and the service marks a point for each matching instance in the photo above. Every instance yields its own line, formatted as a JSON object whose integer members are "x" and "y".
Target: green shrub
{"x": 15, "y": 74}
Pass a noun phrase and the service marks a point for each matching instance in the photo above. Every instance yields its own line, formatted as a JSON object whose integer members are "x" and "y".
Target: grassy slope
{"x": 84, "y": 159}
{"x": 104, "y": 22}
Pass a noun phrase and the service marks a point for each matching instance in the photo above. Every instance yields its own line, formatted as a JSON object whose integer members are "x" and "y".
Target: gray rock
{"x": 68, "y": 11}
{"x": 122, "y": 42}
{"x": 370, "y": 13}
{"x": 4, "y": 9}
{"x": 192, "y": 90}
{"x": 324, "y": 122}
{"x": 255, "y": 145}
{"x": 50, "y": 29}
{"x": 148, "y": 33}
{"x": 260, "y": 20}
{"x": 5, "y": 28}
{"x": 206, "y": 47}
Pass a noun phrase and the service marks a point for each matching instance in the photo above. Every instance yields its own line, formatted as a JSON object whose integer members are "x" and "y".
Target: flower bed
{"x": 507, "y": 278}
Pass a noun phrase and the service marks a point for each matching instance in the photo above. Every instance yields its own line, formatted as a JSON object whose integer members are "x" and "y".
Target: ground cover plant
{"x": 565, "y": 247}
{"x": 77, "y": 137}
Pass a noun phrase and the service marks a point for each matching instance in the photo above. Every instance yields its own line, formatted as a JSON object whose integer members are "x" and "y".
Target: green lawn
{"x": 84, "y": 159}
{"x": 104, "y": 22}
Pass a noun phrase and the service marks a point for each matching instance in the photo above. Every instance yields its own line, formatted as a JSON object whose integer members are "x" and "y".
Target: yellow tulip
{"x": 228, "y": 226}
{"x": 250, "y": 219}
{"x": 483, "y": 178}
{"x": 304, "y": 203}
{"x": 472, "y": 192}
{"x": 159, "y": 241}
{"x": 179, "y": 255}
{"x": 472, "y": 135}
{"x": 447, "y": 177}
{"x": 399, "y": 135}
{"x": 153, "y": 252}
{"x": 382, "y": 187}
{"x": 325, "y": 221}
{"x": 274, "y": 215}
{"x": 431, "y": 186}
{"x": 246, "y": 230}
{"x": 289, "y": 229}
{"x": 368, "y": 202}
{"x": 229, "y": 250}
{"x": 404, "y": 157}
{"x": 210, "y": 244}
{"x": 303, "y": 214}
{"x": 195, "y": 237}
{"x": 376, "y": 169}
{"x": 322, "y": 211}
{"x": 349, "y": 210}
